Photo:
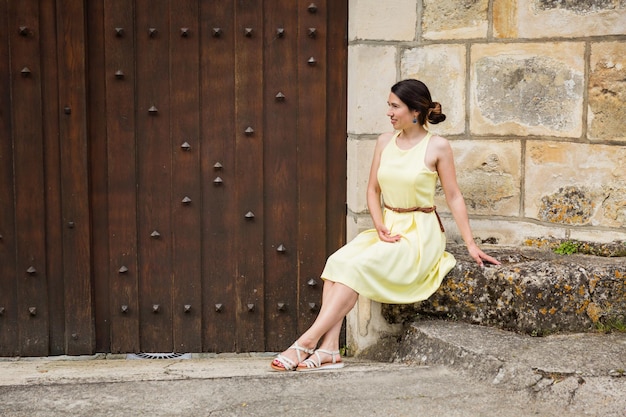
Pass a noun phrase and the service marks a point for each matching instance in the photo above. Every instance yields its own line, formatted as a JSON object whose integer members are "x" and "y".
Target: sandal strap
{"x": 299, "y": 349}
{"x": 310, "y": 362}
{"x": 287, "y": 363}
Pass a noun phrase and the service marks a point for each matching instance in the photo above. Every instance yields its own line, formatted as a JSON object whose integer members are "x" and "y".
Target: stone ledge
{"x": 572, "y": 370}
{"x": 534, "y": 291}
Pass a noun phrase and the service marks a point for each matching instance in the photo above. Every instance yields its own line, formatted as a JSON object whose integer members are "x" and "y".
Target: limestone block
{"x": 382, "y": 20}
{"x": 550, "y": 18}
{"x": 505, "y": 19}
{"x": 510, "y": 232}
{"x": 533, "y": 291}
{"x": 372, "y": 72}
{"x": 360, "y": 152}
{"x": 454, "y": 19}
{"x": 365, "y": 324}
{"x": 357, "y": 223}
{"x": 576, "y": 184}
{"x": 489, "y": 176}
{"x": 599, "y": 236}
{"x": 442, "y": 68}
{"x": 570, "y": 245}
{"x": 527, "y": 89}
{"x": 607, "y": 92}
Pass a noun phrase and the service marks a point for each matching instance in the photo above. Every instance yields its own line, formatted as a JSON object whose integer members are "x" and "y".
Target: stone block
{"x": 533, "y": 291}
{"x": 442, "y": 68}
{"x": 489, "y": 176}
{"x": 607, "y": 92}
{"x": 576, "y": 184}
{"x": 372, "y": 72}
{"x": 550, "y": 18}
{"x": 382, "y": 20}
{"x": 360, "y": 152}
{"x": 357, "y": 223}
{"x": 527, "y": 89}
{"x": 599, "y": 236}
{"x": 451, "y": 19}
{"x": 505, "y": 19}
{"x": 509, "y": 232}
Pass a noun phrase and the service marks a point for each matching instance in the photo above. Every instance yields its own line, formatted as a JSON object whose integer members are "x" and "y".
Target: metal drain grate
{"x": 158, "y": 355}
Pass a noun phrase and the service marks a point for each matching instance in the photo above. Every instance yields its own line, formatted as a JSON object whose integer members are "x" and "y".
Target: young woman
{"x": 403, "y": 259}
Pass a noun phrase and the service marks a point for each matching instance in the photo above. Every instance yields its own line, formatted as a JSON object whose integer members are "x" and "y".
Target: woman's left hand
{"x": 480, "y": 256}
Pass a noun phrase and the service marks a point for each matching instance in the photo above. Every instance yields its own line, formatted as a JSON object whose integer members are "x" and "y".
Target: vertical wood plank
{"x": 8, "y": 295}
{"x": 336, "y": 117}
{"x": 155, "y": 175}
{"x": 217, "y": 150}
{"x": 29, "y": 180}
{"x": 249, "y": 174}
{"x": 80, "y": 332}
{"x": 186, "y": 224}
{"x": 280, "y": 174}
{"x": 98, "y": 172}
{"x": 312, "y": 181}
{"x": 123, "y": 278}
{"x": 52, "y": 169}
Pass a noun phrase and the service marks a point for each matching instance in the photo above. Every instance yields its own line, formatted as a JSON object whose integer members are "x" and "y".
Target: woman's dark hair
{"x": 416, "y": 96}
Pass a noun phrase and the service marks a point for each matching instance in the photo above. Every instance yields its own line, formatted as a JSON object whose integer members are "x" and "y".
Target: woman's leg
{"x": 330, "y": 339}
{"x": 337, "y": 301}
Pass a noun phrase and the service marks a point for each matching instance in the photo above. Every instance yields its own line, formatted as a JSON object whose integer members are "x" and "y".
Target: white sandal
{"x": 311, "y": 364}
{"x": 288, "y": 364}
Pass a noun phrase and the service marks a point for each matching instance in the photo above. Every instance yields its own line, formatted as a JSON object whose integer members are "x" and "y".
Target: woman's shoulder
{"x": 439, "y": 142}
{"x": 440, "y": 148}
{"x": 385, "y": 138}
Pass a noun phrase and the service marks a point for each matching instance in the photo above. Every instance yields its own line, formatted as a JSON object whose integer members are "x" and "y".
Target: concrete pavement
{"x": 244, "y": 385}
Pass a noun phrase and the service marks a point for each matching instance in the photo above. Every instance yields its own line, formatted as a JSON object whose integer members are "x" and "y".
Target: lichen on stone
{"x": 533, "y": 291}
{"x": 614, "y": 203}
{"x": 576, "y": 6}
{"x": 607, "y": 250}
{"x": 569, "y": 205}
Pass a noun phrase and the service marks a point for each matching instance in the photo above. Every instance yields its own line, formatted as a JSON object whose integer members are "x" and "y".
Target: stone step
{"x": 534, "y": 291}
{"x": 566, "y": 369}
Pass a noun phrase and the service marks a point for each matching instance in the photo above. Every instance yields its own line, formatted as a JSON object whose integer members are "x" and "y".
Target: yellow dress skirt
{"x": 412, "y": 269}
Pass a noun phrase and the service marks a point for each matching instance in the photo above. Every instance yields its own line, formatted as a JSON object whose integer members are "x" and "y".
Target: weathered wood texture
{"x": 172, "y": 172}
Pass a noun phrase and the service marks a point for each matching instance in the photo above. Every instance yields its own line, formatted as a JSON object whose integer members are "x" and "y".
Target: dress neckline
{"x": 424, "y": 139}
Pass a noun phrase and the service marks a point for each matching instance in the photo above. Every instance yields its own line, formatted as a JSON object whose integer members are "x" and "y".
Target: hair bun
{"x": 435, "y": 114}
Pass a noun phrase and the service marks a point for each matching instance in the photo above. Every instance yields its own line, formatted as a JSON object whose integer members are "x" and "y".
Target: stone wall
{"x": 535, "y": 97}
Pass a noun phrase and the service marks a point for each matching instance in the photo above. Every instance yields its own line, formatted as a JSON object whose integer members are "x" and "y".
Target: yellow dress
{"x": 412, "y": 269}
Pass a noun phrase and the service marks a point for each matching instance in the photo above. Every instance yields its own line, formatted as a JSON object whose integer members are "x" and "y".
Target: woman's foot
{"x": 322, "y": 359}
{"x": 291, "y": 358}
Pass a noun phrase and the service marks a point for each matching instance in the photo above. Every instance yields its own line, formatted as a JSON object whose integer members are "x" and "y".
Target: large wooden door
{"x": 174, "y": 176}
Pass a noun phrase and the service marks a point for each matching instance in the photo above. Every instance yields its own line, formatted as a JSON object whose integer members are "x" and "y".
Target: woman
{"x": 403, "y": 259}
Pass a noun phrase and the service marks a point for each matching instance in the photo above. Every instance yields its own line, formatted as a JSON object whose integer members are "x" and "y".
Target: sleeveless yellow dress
{"x": 412, "y": 269}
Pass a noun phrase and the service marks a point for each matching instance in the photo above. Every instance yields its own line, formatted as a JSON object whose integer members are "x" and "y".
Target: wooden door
{"x": 173, "y": 173}
{"x": 224, "y": 135}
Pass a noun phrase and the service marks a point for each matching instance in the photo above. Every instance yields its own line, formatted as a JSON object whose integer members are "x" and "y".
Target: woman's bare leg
{"x": 330, "y": 340}
{"x": 337, "y": 301}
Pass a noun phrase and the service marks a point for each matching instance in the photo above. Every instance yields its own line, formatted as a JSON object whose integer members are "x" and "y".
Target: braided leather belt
{"x": 421, "y": 209}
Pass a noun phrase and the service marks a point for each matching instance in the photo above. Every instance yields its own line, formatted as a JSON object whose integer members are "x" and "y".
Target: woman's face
{"x": 399, "y": 113}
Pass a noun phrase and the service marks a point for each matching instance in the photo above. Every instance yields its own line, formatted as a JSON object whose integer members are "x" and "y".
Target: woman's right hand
{"x": 385, "y": 235}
